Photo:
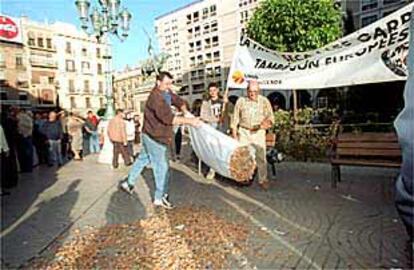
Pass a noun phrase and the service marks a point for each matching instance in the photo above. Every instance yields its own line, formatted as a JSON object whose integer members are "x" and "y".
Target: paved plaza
{"x": 300, "y": 223}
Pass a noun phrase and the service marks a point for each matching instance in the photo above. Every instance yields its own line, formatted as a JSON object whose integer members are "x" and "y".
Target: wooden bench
{"x": 364, "y": 149}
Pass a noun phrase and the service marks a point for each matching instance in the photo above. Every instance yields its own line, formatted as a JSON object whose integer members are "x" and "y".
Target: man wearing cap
{"x": 253, "y": 115}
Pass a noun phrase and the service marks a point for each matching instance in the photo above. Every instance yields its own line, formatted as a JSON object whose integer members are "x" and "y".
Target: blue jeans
{"x": 94, "y": 142}
{"x": 55, "y": 152}
{"x": 155, "y": 153}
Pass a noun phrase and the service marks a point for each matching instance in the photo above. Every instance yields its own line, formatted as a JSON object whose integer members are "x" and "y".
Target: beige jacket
{"x": 117, "y": 130}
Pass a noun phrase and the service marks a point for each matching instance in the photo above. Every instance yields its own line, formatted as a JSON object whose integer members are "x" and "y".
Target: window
{"x": 23, "y": 96}
{"x": 31, "y": 41}
{"x": 208, "y": 43}
{"x": 86, "y": 86}
{"x": 84, "y": 52}
{"x": 51, "y": 80}
{"x": 208, "y": 57}
{"x": 213, "y": 10}
{"x": 3, "y": 95}
{"x": 99, "y": 69}
{"x": 205, "y": 12}
{"x": 387, "y": 2}
{"x": 214, "y": 26}
{"x": 86, "y": 66}
{"x": 215, "y": 41}
{"x": 88, "y": 102}
{"x": 68, "y": 47}
{"x": 19, "y": 61}
{"x": 368, "y": 20}
{"x": 369, "y": 4}
{"x": 72, "y": 102}
{"x": 197, "y": 31}
{"x": 198, "y": 45}
{"x": 217, "y": 71}
{"x": 101, "y": 102}
{"x": 206, "y": 29}
{"x": 40, "y": 42}
{"x": 71, "y": 86}
{"x": 216, "y": 56}
{"x": 98, "y": 53}
{"x": 49, "y": 43}
{"x": 100, "y": 87}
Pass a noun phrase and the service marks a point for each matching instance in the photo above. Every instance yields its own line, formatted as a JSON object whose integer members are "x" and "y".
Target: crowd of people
{"x": 28, "y": 140}
{"x": 52, "y": 138}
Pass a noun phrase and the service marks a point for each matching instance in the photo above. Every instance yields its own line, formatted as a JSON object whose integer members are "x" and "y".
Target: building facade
{"x": 14, "y": 72}
{"x": 82, "y": 67}
{"x": 365, "y": 12}
{"x": 129, "y": 93}
{"x": 42, "y": 63}
{"x": 53, "y": 66}
{"x": 201, "y": 39}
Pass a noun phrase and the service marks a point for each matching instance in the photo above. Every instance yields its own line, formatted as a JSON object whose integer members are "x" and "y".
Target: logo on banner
{"x": 396, "y": 60}
{"x": 238, "y": 77}
{"x": 8, "y": 28}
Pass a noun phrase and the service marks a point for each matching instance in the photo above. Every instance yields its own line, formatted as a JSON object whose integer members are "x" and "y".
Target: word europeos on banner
{"x": 376, "y": 53}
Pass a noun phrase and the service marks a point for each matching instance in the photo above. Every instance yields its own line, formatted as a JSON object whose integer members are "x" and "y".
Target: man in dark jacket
{"x": 53, "y": 132}
{"x": 156, "y": 138}
{"x": 404, "y": 195}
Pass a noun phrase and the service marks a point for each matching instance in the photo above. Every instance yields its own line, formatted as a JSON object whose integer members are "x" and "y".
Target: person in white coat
{"x": 130, "y": 132}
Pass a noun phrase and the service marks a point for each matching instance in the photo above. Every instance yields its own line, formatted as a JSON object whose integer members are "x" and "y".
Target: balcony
{"x": 43, "y": 62}
{"x": 21, "y": 67}
{"x": 87, "y": 71}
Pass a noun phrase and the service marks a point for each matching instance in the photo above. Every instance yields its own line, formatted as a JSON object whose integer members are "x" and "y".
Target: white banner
{"x": 10, "y": 29}
{"x": 376, "y": 53}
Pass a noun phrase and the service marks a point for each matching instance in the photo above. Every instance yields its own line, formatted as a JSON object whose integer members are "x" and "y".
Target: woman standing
{"x": 75, "y": 126}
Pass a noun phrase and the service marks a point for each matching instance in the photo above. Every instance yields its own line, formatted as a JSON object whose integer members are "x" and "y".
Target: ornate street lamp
{"x": 104, "y": 21}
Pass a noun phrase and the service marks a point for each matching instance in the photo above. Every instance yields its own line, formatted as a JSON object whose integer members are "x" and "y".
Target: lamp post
{"x": 105, "y": 21}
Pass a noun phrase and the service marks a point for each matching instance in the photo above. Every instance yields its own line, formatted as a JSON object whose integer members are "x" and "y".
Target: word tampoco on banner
{"x": 376, "y": 53}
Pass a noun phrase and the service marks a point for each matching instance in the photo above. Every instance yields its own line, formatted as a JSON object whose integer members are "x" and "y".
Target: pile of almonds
{"x": 185, "y": 238}
{"x": 242, "y": 164}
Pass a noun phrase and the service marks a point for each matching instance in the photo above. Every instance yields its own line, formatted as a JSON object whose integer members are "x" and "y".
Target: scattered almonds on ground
{"x": 184, "y": 238}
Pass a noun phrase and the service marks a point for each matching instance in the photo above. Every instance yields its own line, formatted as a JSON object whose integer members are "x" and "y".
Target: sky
{"x": 129, "y": 52}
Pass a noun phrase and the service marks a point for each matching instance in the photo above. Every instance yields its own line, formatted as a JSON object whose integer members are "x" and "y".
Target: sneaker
{"x": 211, "y": 174}
{"x": 165, "y": 200}
{"x": 164, "y": 203}
{"x": 124, "y": 186}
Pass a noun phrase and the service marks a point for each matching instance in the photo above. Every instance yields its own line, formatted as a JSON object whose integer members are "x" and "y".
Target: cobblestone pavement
{"x": 300, "y": 223}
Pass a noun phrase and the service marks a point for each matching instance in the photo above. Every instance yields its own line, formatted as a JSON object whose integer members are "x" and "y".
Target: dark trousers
{"x": 120, "y": 148}
{"x": 178, "y": 141}
{"x": 131, "y": 148}
{"x": 25, "y": 153}
{"x": 175, "y": 147}
{"x": 8, "y": 168}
